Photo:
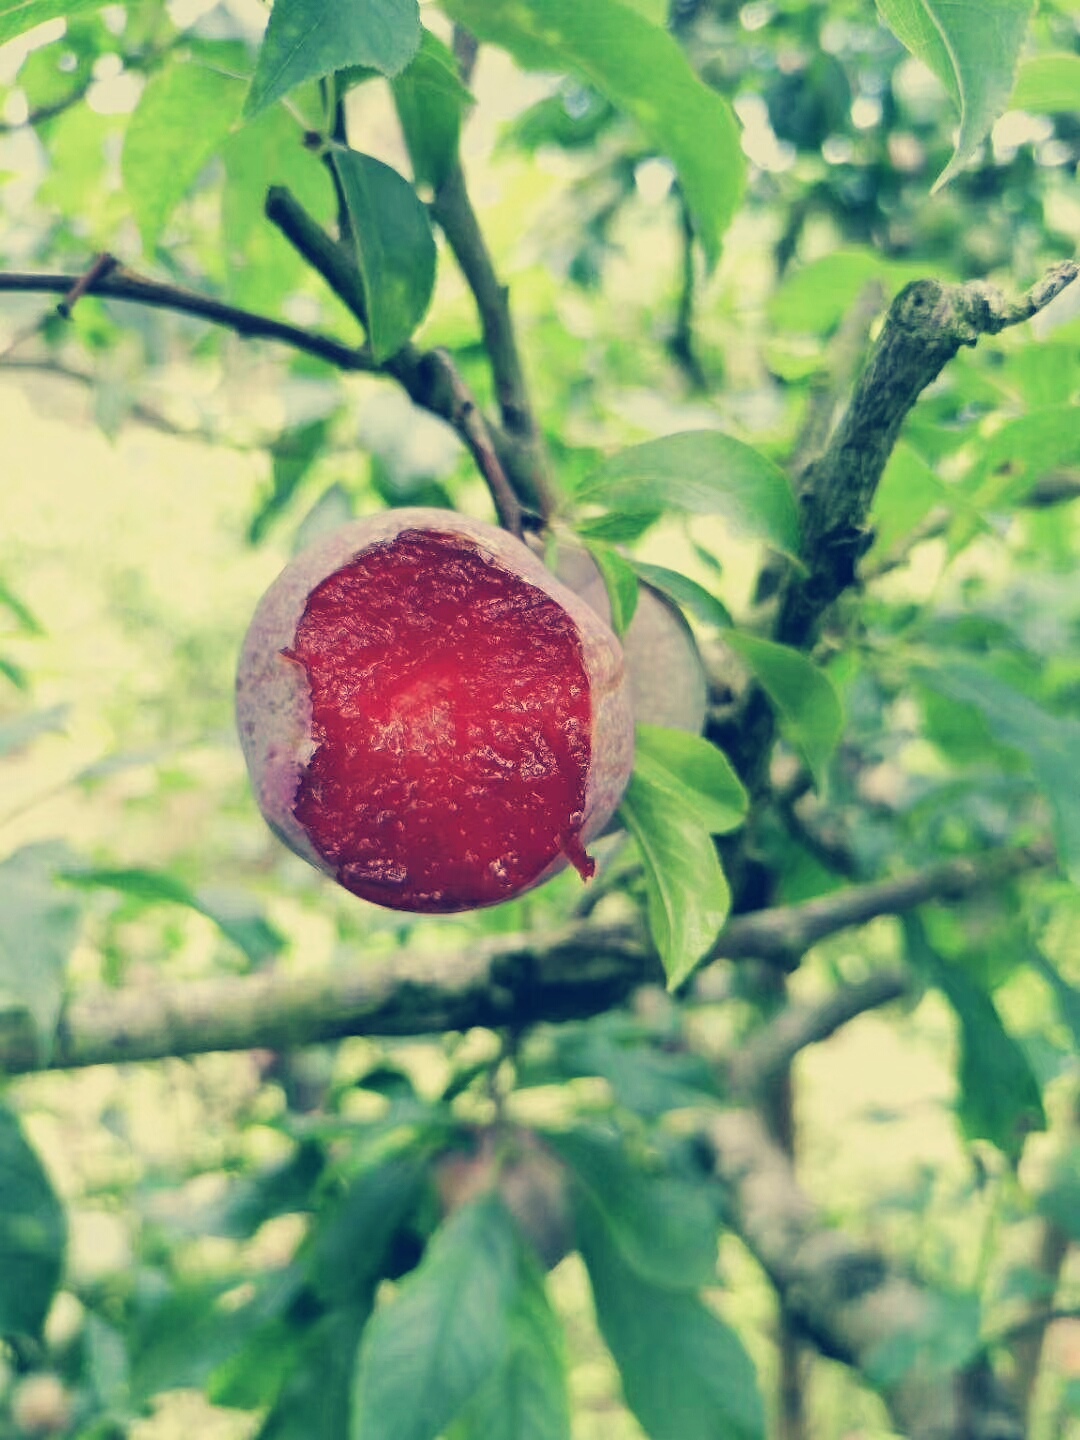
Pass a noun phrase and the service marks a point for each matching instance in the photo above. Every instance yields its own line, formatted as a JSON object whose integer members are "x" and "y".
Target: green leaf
{"x": 235, "y": 914}
{"x": 526, "y": 1398}
{"x": 428, "y": 1351}
{"x": 292, "y": 455}
{"x": 815, "y": 297}
{"x": 804, "y": 696}
{"x": 908, "y": 491}
{"x": 395, "y": 248}
{"x": 315, "y": 1400}
{"x": 665, "y": 1228}
{"x": 430, "y": 101}
{"x": 1047, "y": 84}
{"x": 684, "y": 592}
{"x": 640, "y": 69}
{"x": 349, "y": 1247}
{"x": 183, "y": 115}
{"x": 999, "y": 1097}
{"x": 972, "y": 49}
{"x": 307, "y": 39}
{"x": 702, "y": 472}
{"x": 262, "y": 267}
{"x": 620, "y": 582}
{"x": 18, "y": 16}
{"x": 1020, "y": 452}
{"x": 25, "y": 618}
{"x": 696, "y": 773}
{"x": 685, "y": 1374}
{"x": 39, "y": 924}
{"x": 1050, "y": 743}
{"x": 687, "y": 895}
{"x": 21, "y": 729}
{"x": 1067, "y": 996}
{"x": 33, "y": 1234}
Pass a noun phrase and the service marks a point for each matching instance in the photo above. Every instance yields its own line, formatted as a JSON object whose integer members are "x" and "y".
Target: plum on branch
{"x": 430, "y": 716}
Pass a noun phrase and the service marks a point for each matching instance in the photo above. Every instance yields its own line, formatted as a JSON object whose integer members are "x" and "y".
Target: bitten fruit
{"x": 429, "y": 716}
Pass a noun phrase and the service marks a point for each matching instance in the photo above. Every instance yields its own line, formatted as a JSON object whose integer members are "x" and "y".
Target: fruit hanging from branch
{"x": 429, "y": 716}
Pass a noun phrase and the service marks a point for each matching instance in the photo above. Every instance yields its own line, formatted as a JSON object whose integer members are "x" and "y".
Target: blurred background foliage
{"x": 157, "y": 474}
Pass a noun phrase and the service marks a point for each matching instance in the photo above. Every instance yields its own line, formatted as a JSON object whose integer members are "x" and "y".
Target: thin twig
{"x": 468, "y": 420}
{"x": 124, "y": 284}
{"x": 453, "y": 211}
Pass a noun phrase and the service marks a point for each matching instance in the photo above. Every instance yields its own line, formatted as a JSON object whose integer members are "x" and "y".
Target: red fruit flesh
{"x": 451, "y": 714}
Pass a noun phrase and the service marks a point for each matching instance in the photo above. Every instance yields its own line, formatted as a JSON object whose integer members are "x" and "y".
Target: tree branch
{"x": 846, "y": 1297}
{"x": 926, "y": 325}
{"x": 512, "y": 980}
{"x": 453, "y": 210}
{"x": 766, "y": 1056}
{"x": 124, "y": 284}
{"x": 783, "y": 935}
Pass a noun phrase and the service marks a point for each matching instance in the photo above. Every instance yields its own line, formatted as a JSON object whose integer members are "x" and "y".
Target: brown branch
{"x": 429, "y": 379}
{"x": 845, "y": 1296}
{"x": 926, "y": 326}
{"x": 124, "y": 284}
{"x": 768, "y": 1054}
{"x": 583, "y": 970}
{"x": 454, "y": 213}
{"x": 783, "y": 935}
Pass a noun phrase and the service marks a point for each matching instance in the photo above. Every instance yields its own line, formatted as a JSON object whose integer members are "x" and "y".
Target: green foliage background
{"x": 690, "y": 204}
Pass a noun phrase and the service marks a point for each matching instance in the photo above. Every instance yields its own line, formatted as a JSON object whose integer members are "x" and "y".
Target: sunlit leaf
{"x": 1047, "y": 84}
{"x": 431, "y": 101}
{"x": 696, "y": 773}
{"x": 395, "y": 248}
{"x": 183, "y": 115}
{"x": 18, "y": 16}
{"x": 703, "y": 472}
{"x": 307, "y": 39}
{"x": 684, "y": 592}
{"x": 640, "y": 68}
{"x": 972, "y": 46}
{"x": 620, "y": 582}
{"x": 805, "y": 698}
{"x": 687, "y": 894}
{"x": 235, "y": 914}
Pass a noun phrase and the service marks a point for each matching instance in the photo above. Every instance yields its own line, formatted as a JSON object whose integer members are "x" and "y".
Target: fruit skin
{"x": 668, "y": 684}
{"x": 273, "y": 704}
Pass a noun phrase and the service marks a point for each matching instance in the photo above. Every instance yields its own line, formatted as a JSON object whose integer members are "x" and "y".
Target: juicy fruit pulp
{"x": 451, "y": 715}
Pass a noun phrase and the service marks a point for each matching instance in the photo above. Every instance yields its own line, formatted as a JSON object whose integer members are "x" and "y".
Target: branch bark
{"x": 926, "y": 326}
{"x": 512, "y": 980}
{"x": 846, "y": 1297}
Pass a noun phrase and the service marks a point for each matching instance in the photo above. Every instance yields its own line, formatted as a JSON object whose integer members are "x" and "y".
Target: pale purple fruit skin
{"x": 668, "y": 685}
{"x": 273, "y": 702}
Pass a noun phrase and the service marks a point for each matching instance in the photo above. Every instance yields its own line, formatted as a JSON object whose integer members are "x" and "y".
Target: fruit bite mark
{"x": 451, "y": 715}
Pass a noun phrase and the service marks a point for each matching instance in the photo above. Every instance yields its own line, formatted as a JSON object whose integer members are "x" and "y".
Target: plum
{"x": 429, "y": 715}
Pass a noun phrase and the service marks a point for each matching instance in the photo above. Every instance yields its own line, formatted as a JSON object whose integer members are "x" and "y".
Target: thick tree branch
{"x": 927, "y": 324}
{"x": 515, "y": 980}
{"x": 845, "y": 1295}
